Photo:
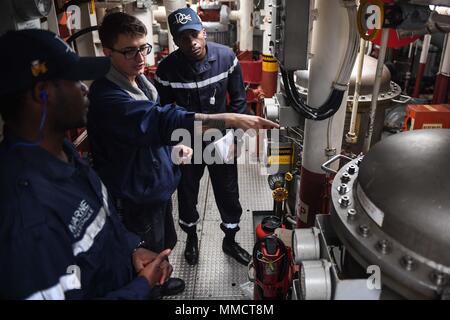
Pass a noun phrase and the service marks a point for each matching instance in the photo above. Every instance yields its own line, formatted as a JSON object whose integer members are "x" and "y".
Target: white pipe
{"x": 234, "y": 15}
{"x": 351, "y": 135}
{"x": 444, "y": 67}
{"x": 376, "y": 88}
{"x": 267, "y": 27}
{"x": 159, "y": 15}
{"x": 171, "y": 6}
{"x": 328, "y": 50}
{"x": 245, "y": 28}
{"x": 145, "y": 16}
{"x": 425, "y": 48}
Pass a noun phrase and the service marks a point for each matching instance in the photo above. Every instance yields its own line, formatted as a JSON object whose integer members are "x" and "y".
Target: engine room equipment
{"x": 398, "y": 223}
{"x": 289, "y": 37}
{"x": 278, "y": 154}
{"x": 267, "y": 226}
{"x": 271, "y": 262}
{"x": 315, "y": 280}
{"x": 389, "y": 94}
{"x": 424, "y": 116}
{"x": 305, "y": 244}
{"x": 23, "y": 14}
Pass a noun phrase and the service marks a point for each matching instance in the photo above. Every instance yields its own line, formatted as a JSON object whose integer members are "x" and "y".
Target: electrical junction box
{"x": 290, "y": 31}
{"x": 427, "y": 116}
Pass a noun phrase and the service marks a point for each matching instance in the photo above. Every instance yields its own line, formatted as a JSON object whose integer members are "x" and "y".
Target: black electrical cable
{"x": 80, "y": 33}
{"x": 329, "y": 108}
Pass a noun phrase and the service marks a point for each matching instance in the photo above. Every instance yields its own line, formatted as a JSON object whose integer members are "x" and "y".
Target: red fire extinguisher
{"x": 272, "y": 269}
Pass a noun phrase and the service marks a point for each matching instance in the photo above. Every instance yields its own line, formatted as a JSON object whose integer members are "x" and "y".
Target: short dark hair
{"x": 119, "y": 23}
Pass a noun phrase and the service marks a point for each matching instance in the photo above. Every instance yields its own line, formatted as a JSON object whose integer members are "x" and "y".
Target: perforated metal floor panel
{"x": 218, "y": 276}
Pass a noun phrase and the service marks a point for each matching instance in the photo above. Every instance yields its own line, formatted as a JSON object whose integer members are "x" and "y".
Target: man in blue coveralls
{"x": 130, "y": 135}
{"x": 198, "y": 76}
{"x": 60, "y": 236}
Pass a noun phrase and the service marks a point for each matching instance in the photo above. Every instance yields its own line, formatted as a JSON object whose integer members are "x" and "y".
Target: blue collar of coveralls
{"x": 203, "y": 65}
{"x": 45, "y": 161}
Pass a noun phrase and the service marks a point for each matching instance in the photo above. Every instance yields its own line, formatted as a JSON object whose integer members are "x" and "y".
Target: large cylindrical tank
{"x": 391, "y": 209}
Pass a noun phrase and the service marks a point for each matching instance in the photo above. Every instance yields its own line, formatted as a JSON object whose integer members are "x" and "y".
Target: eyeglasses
{"x": 132, "y": 53}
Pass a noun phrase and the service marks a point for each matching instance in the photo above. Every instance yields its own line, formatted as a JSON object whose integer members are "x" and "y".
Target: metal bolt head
{"x": 438, "y": 278}
{"x": 342, "y": 189}
{"x": 351, "y": 213}
{"x": 408, "y": 263}
{"x": 364, "y": 230}
{"x": 384, "y": 246}
{"x": 345, "y": 177}
{"x": 358, "y": 162}
{"x": 351, "y": 169}
{"x": 344, "y": 201}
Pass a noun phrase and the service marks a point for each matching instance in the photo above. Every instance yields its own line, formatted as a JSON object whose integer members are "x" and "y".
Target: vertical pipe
{"x": 328, "y": 46}
{"x": 267, "y": 26}
{"x": 351, "y": 135}
{"x": 376, "y": 88}
{"x": 422, "y": 64}
{"x": 146, "y": 17}
{"x": 441, "y": 87}
{"x": 269, "y": 75}
{"x": 245, "y": 28}
{"x": 171, "y": 6}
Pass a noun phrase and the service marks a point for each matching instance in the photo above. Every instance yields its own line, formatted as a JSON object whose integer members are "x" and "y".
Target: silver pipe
{"x": 351, "y": 136}
{"x": 376, "y": 88}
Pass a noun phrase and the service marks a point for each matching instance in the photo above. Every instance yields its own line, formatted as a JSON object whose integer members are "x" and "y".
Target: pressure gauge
{"x": 32, "y": 9}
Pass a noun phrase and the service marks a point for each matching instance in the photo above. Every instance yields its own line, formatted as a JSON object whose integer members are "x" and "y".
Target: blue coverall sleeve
{"x": 38, "y": 264}
{"x": 138, "y": 122}
{"x": 236, "y": 91}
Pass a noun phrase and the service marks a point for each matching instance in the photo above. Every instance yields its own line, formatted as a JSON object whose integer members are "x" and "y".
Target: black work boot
{"x": 191, "y": 251}
{"x": 232, "y": 248}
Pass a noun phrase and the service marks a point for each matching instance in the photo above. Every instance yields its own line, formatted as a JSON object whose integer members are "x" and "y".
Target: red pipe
{"x": 441, "y": 89}
{"x": 419, "y": 77}
{"x": 314, "y": 197}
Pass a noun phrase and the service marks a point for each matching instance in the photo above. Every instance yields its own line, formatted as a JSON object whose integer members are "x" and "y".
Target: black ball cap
{"x": 33, "y": 55}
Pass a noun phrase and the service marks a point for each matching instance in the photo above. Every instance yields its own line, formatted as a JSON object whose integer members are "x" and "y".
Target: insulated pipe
{"x": 441, "y": 87}
{"x": 269, "y": 75}
{"x": 351, "y": 135}
{"x": 245, "y": 27}
{"x": 146, "y": 17}
{"x": 376, "y": 88}
{"x": 267, "y": 22}
{"x": 171, "y": 6}
{"x": 422, "y": 64}
{"x": 328, "y": 45}
{"x": 160, "y": 14}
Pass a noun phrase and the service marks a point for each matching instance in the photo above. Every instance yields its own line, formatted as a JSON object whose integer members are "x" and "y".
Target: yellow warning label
{"x": 271, "y": 66}
{"x": 279, "y": 160}
{"x": 432, "y": 126}
{"x": 92, "y": 7}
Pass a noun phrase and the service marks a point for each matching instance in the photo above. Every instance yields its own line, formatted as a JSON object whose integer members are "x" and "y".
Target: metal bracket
{"x": 402, "y": 96}
{"x": 335, "y": 158}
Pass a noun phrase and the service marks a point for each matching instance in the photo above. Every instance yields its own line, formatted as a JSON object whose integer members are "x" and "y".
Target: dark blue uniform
{"x": 203, "y": 87}
{"x": 60, "y": 236}
{"x": 129, "y": 140}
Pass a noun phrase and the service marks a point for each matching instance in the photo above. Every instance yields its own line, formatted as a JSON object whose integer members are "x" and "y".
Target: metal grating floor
{"x": 218, "y": 276}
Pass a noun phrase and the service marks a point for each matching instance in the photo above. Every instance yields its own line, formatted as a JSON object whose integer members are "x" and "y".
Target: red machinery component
{"x": 272, "y": 263}
{"x": 268, "y": 226}
{"x": 211, "y": 15}
{"x": 424, "y": 116}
